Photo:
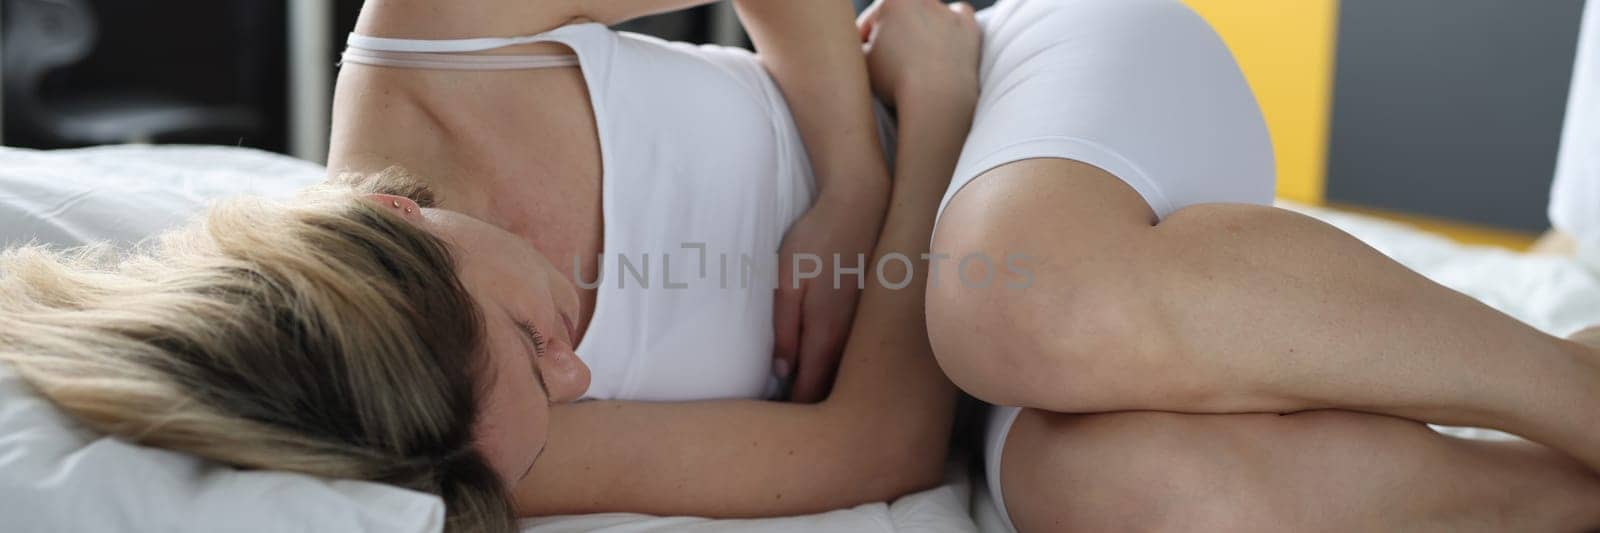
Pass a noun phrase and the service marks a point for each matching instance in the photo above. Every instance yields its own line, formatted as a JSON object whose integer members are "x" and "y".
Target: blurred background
{"x": 1442, "y": 113}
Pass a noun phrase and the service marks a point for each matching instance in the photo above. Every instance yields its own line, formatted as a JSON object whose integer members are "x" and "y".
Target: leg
{"x": 1226, "y": 309}
{"x": 1314, "y": 471}
{"x": 1108, "y": 136}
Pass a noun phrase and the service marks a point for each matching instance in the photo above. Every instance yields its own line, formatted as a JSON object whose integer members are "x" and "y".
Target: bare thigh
{"x": 1313, "y": 471}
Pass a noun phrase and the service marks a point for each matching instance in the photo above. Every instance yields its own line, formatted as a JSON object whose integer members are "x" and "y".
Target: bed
{"x": 121, "y": 194}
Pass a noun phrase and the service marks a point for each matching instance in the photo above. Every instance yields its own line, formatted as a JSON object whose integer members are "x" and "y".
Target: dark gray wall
{"x": 1452, "y": 108}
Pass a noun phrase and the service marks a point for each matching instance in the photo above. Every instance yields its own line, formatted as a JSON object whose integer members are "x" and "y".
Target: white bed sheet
{"x": 940, "y": 510}
{"x": 122, "y": 194}
{"x": 1555, "y": 294}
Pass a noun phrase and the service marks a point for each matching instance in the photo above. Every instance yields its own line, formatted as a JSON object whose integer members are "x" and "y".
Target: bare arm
{"x": 881, "y": 434}
{"x": 813, "y": 50}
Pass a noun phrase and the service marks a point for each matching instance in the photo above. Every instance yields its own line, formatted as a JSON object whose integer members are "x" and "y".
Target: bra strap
{"x": 452, "y": 54}
{"x": 436, "y": 46}
{"x": 443, "y": 61}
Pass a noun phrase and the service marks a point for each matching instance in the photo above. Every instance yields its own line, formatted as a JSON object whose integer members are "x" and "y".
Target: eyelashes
{"x": 534, "y": 335}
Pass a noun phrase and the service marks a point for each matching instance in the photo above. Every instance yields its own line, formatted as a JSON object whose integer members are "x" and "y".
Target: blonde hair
{"x": 326, "y": 336}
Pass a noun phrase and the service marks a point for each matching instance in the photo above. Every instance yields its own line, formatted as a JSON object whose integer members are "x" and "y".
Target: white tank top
{"x": 701, "y": 159}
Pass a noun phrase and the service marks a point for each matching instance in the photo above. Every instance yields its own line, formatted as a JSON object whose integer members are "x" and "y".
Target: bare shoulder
{"x": 447, "y": 124}
{"x": 380, "y": 115}
{"x": 411, "y": 117}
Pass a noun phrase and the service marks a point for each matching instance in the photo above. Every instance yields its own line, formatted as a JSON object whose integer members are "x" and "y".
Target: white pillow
{"x": 57, "y": 476}
{"x": 125, "y": 193}
{"x": 1575, "y": 197}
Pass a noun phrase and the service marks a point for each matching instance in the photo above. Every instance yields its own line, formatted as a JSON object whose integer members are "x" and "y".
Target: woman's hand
{"x": 884, "y": 428}
{"x": 921, "y": 49}
{"x": 813, "y": 50}
{"x": 811, "y": 314}
{"x": 920, "y": 54}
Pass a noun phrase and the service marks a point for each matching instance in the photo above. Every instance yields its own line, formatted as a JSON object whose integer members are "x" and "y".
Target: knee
{"x": 1071, "y": 341}
{"x": 977, "y": 350}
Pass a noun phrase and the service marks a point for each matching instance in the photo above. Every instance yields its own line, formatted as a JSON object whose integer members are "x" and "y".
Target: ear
{"x": 405, "y": 207}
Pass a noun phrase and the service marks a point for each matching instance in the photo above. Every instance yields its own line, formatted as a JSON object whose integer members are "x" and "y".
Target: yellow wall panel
{"x": 1461, "y": 232}
{"x": 1287, "y": 49}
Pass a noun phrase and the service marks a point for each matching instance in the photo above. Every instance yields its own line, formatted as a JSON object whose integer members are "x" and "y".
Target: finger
{"x": 815, "y": 375}
{"x": 819, "y": 356}
{"x": 786, "y": 312}
{"x": 868, "y": 20}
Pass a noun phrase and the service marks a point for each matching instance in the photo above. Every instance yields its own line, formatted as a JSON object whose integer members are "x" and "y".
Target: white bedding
{"x": 124, "y": 193}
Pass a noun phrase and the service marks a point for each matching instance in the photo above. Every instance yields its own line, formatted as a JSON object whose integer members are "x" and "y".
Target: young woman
{"x": 1108, "y": 135}
{"x": 603, "y": 151}
{"x": 1116, "y": 158}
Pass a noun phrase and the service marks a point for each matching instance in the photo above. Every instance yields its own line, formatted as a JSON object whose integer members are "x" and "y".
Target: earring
{"x": 408, "y": 210}
{"x": 395, "y": 203}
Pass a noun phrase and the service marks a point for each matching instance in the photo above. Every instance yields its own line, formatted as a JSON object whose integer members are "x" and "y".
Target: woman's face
{"x": 529, "y": 314}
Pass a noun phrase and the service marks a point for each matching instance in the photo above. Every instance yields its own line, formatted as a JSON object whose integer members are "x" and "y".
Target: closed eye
{"x": 537, "y": 339}
{"x": 533, "y": 335}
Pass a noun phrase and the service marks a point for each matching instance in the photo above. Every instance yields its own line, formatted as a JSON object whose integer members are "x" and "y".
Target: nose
{"x": 566, "y": 377}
